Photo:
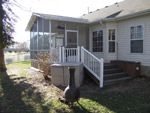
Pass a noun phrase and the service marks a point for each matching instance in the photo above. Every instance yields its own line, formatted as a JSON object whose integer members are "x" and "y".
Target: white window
{"x": 136, "y": 39}
{"x": 111, "y": 40}
{"x": 98, "y": 41}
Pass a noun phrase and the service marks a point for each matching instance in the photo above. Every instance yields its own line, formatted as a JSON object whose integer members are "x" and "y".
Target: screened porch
{"x": 46, "y": 36}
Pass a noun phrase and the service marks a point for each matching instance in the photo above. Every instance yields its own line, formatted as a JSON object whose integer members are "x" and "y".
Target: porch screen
{"x": 39, "y": 38}
{"x": 98, "y": 41}
{"x": 136, "y": 39}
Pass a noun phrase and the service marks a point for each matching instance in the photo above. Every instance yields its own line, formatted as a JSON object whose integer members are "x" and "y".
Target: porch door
{"x": 71, "y": 38}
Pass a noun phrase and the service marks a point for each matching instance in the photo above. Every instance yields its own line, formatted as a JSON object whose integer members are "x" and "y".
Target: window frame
{"x": 112, "y": 40}
{"x": 134, "y": 39}
{"x": 102, "y": 46}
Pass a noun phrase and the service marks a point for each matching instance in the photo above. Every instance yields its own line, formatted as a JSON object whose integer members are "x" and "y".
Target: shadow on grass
{"x": 136, "y": 100}
{"x": 77, "y": 108}
{"x": 19, "y": 97}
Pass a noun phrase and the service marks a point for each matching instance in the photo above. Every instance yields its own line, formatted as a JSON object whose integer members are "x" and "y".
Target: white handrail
{"x": 90, "y": 54}
{"x": 93, "y": 64}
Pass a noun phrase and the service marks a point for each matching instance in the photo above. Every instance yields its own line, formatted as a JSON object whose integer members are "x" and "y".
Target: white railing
{"x": 90, "y": 62}
{"x": 69, "y": 55}
{"x": 93, "y": 64}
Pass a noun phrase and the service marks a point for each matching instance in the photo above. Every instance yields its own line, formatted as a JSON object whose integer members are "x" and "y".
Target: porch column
{"x": 65, "y": 36}
{"x": 50, "y": 36}
{"x": 77, "y": 35}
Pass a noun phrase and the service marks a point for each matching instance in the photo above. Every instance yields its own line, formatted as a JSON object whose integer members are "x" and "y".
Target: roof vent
{"x": 106, "y": 6}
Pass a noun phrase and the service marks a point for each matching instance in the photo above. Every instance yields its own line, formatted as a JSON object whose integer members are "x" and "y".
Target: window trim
{"x": 112, "y": 40}
{"x": 135, "y": 25}
{"x": 102, "y": 41}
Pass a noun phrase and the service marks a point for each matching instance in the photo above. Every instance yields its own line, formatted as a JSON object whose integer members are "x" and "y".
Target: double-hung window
{"x": 98, "y": 41}
{"x": 111, "y": 40}
{"x": 136, "y": 39}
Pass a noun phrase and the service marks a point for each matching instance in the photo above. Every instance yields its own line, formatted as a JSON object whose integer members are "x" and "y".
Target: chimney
{"x": 88, "y": 10}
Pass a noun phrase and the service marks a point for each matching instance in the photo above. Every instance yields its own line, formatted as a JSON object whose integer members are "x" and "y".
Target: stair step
{"x": 113, "y": 81}
{"x": 110, "y": 66}
{"x": 115, "y": 75}
{"x": 110, "y": 71}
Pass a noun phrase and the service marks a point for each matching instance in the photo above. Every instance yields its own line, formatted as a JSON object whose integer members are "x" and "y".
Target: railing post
{"x": 101, "y": 72}
{"x": 78, "y": 56}
{"x": 60, "y": 54}
{"x": 82, "y": 54}
{"x": 63, "y": 54}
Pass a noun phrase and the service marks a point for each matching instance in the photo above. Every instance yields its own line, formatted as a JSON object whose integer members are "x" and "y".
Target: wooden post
{"x": 63, "y": 54}
{"x": 60, "y": 54}
{"x": 78, "y": 56}
{"x": 101, "y": 72}
{"x": 82, "y": 54}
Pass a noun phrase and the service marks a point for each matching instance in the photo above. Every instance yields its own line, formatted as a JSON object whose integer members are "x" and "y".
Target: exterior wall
{"x": 124, "y": 40}
{"x": 83, "y": 36}
{"x": 96, "y": 27}
{"x": 111, "y": 56}
{"x": 105, "y": 27}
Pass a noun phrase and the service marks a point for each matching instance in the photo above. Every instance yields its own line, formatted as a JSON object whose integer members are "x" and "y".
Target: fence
{"x": 17, "y": 58}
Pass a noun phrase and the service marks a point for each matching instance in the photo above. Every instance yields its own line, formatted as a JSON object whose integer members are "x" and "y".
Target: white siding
{"x": 111, "y": 56}
{"x": 83, "y": 38}
{"x": 123, "y": 33}
{"x": 97, "y": 27}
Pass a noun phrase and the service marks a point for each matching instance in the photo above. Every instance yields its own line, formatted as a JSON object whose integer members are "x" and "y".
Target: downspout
{"x": 117, "y": 50}
{"x": 101, "y": 22}
{"x": 90, "y": 39}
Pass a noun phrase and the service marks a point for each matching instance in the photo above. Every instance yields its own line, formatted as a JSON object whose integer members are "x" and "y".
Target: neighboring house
{"x": 117, "y": 32}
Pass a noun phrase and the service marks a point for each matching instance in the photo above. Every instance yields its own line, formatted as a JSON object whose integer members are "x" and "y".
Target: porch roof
{"x": 54, "y": 17}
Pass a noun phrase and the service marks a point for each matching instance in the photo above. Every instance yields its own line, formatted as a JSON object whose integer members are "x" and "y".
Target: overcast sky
{"x": 72, "y": 8}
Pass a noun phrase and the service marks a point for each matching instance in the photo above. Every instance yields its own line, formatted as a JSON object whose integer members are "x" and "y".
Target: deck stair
{"x": 112, "y": 75}
{"x": 102, "y": 73}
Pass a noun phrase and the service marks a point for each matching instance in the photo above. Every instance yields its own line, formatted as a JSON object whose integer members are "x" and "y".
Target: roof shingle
{"x": 118, "y": 9}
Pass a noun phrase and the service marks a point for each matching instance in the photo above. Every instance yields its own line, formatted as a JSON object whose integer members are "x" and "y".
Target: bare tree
{"x": 21, "y": 47}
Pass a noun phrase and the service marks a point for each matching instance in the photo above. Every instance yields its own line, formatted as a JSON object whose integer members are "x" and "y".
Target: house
{"x": 120, "y": 32}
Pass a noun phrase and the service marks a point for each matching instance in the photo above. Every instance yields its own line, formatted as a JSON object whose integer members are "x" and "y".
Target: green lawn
{"x": 24, "y": 91}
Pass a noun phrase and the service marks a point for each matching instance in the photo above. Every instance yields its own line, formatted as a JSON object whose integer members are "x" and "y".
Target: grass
{"x": 24, "y": 91}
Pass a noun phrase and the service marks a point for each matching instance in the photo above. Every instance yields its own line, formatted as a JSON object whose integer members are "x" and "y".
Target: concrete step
{"x": 111, "y": 71}
{"x": 115, "y": 75}
{"x": 114, "y": 81}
